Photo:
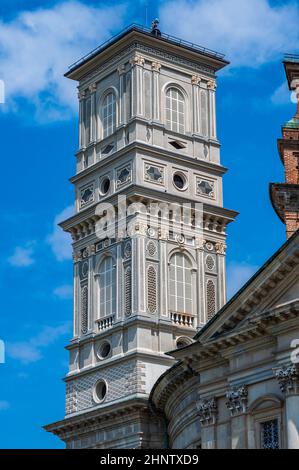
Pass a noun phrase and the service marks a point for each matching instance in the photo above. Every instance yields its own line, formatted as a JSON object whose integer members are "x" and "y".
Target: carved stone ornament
{"x": 81, "y": 95}
{"x": 220, "y": 248}
{"x": 288, "y": 378}
{"x": 211, "y": 85}
{"x": 92, "y": 88}
{"x": 195, "y": 79}
{"x": 121, "y": 69}
{"x": 77, "y": 256}
{"x": 207, "y": 411}
{"x": 137, "y": 60}
{"x": 237, "y": 399}
{"x": 209, "y": 246}
{"x": 156, "y": 66}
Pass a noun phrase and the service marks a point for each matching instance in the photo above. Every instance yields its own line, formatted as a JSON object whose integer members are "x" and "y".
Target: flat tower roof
{"x": 147, "y": 32}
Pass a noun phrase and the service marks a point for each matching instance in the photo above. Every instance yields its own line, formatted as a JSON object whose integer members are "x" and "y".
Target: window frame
{"x": 103, "y": 311}
{"x": 171, "y": 124}
{"x": 173, "y": 286}
{"x": 102, "y": 118}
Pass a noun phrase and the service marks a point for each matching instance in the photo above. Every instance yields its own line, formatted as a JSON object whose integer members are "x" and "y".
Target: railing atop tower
{"x": 146, "y": 30}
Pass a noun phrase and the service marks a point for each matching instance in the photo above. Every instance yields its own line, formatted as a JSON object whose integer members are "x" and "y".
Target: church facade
{"x": 149, "y": 267}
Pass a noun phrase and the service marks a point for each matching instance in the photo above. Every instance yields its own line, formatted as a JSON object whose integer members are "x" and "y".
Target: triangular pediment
{"x": 272, "y": 290}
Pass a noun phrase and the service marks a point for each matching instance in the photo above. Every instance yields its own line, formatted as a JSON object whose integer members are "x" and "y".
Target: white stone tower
{"x": 148, "y": 132}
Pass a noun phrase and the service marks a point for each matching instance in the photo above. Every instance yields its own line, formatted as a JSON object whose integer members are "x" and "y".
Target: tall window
{"x": 175, "y": 110}
{"x": 109, "y": 114}
{"x": 180, "y": 284}
{"x": 107, "y": 274}
{"x": 270, "y": 434}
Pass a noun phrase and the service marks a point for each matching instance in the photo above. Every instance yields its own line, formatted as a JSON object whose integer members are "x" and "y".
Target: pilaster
{"x": 288, "y": 379}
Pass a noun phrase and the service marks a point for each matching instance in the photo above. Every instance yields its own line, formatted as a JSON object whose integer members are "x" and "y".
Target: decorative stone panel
{"x": 154, "y": 173}
{"x": 205, "y": 188}
{"x": 128, "y": 290}
{"x": 123, "y": 175}
{"x": 84, "y": 309}
{"x": 152, "y": 289}
{"x": 211, "y": 298}
{"x": 86, "y": 195}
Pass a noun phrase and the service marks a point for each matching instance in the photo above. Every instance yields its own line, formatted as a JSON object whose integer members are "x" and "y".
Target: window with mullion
{"x": 109, "y": 115}
{"x": 107, "y": 274}
{"x": 180, "y": 284}
{"x": 175, "y": 110}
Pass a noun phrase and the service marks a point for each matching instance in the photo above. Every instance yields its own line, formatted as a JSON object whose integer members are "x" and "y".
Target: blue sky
{"x": 38, "y": 128}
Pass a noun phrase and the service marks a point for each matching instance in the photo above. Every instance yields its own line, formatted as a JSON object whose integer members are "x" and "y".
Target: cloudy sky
{"x": 38, "y": 128}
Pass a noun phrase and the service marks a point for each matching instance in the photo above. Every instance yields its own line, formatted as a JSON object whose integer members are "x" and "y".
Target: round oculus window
{"x": 100, "y": 391}
{"x": 104, "y": 350}
{"x": 105, "y": 185}
{"x": 179, "y": 180}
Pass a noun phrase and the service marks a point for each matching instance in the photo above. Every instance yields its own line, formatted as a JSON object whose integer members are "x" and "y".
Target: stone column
{"x": 207, "y": 412}
{"x": 201, "y": 304}
{"x": 93, "y": 89}
{"x": 76, "y": 259}
{"x": 212, "y": 111}
{"x": 122, "y": 102}
{"x": 195, "y": 80}
{"x": 288, "y": 378}
{"x": 137, "y": 63}
{"x": 81, "y": 97}
{"x": 163, "y": 266}
{"x": 156, "y": 91}
{"x": 237, "y": 404}
{"x": 220, "y": 250}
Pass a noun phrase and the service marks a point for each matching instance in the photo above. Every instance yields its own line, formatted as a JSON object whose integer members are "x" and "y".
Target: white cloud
{"x": 22, "y": 256}
{"x": 64, "y": 292}
{"x": 237, "y": 275}
{"x": 4, "y": 405}
{"x": 282, "y": 95}
{"x": 250, "y": 33}
{"x": 37, "y": 47}
{"x": 31, "y": 351}
{"x": 59, "y": 240}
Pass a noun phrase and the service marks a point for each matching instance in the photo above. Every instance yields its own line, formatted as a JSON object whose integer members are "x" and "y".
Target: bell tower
{"x": 148, "y": 232}
{"x": 285, "y": 196}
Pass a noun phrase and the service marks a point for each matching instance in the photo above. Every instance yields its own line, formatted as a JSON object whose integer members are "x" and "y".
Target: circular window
{"x": 100, "y": 391}
{"x": 104, "y": 350}
{"x": 182, "y": 342}
{"x": 105, "y": 185}
{"x": 180, "y": 181}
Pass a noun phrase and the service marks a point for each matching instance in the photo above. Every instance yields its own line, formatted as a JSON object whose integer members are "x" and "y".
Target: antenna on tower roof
{"x": 155, "y": 30}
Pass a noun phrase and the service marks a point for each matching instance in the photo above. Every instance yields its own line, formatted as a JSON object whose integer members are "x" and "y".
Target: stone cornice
{"x": 178, "y": 54}
{"x": 253, "y": 329}
{"x": 168, "y": 382}
{"x": 82, "y": 224}
{"x": 88, "y": 421}
{"x": 159, "y": 152}
{"x": 255, "y": 291}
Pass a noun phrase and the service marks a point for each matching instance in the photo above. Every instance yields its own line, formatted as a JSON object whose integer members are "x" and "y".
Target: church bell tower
{"x": 285, "y": 196}
{"x": 146, "y": 278}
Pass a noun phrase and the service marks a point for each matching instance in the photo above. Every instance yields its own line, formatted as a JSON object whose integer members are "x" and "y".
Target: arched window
{"x": 109, "y": 114}
{"x": 180, "y": 284}
{"x": 175, "y": 110}
{"x": 107, "y": 274}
